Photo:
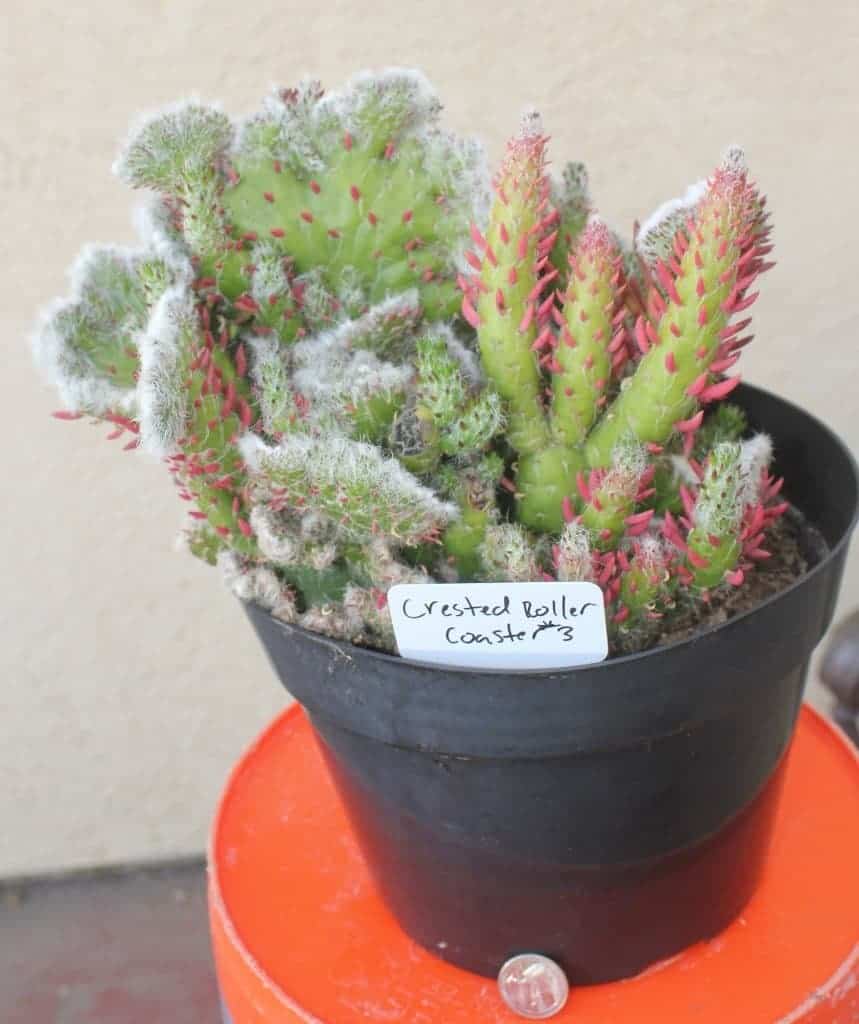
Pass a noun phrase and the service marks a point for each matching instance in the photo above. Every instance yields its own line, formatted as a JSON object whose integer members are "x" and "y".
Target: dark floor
{"x": 127, "y": 946}
{"x": 121, "y": 947}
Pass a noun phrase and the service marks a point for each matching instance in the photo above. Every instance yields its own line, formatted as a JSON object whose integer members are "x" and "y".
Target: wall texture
{"x": 130, "y": 680}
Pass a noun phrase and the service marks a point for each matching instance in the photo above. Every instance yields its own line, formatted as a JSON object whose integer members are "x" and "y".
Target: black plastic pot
{"x": 606, "y": 816}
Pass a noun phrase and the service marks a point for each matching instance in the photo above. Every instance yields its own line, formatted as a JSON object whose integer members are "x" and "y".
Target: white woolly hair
{"x": 315, "y": 527}
{"x": 346, "y": 463}
{"x": 299, "y": 123}
{"x": 263, "y": 348}
{"x": 69, "y": 372}
{"x": 682, "y": 470}
{"x": 362, "y": 604}
{"x": 405, "y": 306}
{"x": 574, "y": 557}
{"x": 275, "y": 542}
{"x": 266, "y": 353}
{"x": 270, "y": 375}
{"x": 328, "y": 368}
{"x": 334, "y": 620}
{"x": 385, "y": 570}
{"x": 474, "y": 176}
{"x": 474, "y": 185}
{"x": 353, "y": 376}
{"x": 164, "y": 349}
{"x": 269, "y": 276}
{"x": 657, "y": 232}
{"x": 718, "y": 508}
{"x": 629, "y": 461}
{"x": 530, "y": 124}
{"x": 63, "y": 366}
{"x": 321, "y": 556}
{"x": 507, "y": 553}
{"x": 734, "y": 159}
{"x": 343, "y": 104}
{"x": 80, "y": 272}
{"x": 423, "y": 98}
{"x": 651, "y": 552}
{"x": 295, "y": 125}
{"x": 467, "y": 360}
{"x": 258, "y": 584}
{"x": 174, "y": 117}
{"x": 755, "y": 457}
{"x": 150, "y": 219}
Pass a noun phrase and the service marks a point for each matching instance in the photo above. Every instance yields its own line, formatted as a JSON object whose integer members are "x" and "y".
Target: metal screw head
{"x": 533, "y": 986}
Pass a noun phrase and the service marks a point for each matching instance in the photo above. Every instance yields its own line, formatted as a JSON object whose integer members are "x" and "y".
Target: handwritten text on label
{"x": 505, "y": 626}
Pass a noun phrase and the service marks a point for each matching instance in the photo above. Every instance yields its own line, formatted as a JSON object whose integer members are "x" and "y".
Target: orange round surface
{"x": 301, "y": 935}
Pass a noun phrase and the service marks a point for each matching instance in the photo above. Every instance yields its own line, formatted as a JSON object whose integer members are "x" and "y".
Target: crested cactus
{"x": 365, "y": 363}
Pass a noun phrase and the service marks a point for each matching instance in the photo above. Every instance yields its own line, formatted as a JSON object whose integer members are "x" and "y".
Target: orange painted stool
{"x": 300, "y": 935}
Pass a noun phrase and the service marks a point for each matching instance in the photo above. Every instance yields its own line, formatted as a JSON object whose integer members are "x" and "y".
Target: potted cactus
{"x": 366, "y": 364}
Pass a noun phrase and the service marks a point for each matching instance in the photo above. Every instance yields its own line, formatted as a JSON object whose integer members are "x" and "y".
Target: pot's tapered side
{"x": 480, "y": 902}
{"x": 606, "y": 816}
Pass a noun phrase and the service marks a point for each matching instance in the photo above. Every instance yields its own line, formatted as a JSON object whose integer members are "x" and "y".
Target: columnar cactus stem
{"x": 714, "y": 546}
{"x": 609, "y": 497}
{"x": 504, "y": 298}
{"x": 508, "y": 303}
{"x": 647, "y": 586}
{"x": 473, "y": 489}
{"x": 687, "y": 344}
{"x": 729, "y": 515}
{"x": 590, "y": 336}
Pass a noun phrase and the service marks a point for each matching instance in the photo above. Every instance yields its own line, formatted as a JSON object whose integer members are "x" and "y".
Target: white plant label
{"x": 500, "y": 626}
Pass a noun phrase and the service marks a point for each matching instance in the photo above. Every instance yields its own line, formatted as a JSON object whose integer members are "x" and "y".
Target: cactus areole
{"x": 366, "y": 361}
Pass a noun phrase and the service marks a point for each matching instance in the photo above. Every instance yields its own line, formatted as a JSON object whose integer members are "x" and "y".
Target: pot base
{"x": 301, "y": 934}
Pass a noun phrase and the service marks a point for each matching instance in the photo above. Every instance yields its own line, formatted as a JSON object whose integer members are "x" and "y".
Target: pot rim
{"x": 833, "y": 551}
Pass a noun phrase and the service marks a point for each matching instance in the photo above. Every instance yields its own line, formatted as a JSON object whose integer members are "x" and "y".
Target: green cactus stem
{"x": 503, "y": 299}
{"x": 361, "y": 184}
{"x": 609, "y": 497}
{"x": 195, "y": 402}
{"x": 646, "y": 593}
{"x": 543, "y": 482}
{"x": 473, "y": 488}
{"x": 507, "y": 303}
{"x": 351, "y": 484}
{"x": 589, "y": 333}
{"x": 89, "y": 343}
{"x": 714, "y": 544}
{"x": 177, "y": 153}
{"x": 687, "y": 343}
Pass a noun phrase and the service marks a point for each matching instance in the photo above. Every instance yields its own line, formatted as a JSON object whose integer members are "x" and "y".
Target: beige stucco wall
{"x": 130, "y": 680}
